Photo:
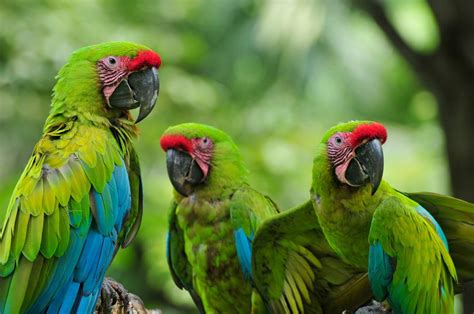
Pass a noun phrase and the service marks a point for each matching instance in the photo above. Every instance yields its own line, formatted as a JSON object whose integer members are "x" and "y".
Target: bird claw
{"x": 373, "y": 308}
{"x": 114, "y": 298}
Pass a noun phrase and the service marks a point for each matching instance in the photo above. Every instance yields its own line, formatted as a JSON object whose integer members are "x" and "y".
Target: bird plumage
{"x": 78, "y": 199}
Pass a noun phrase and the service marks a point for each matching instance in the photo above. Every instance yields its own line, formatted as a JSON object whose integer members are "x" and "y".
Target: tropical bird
{"x": 377, "y": 228}
{"x": 79, "y": 198}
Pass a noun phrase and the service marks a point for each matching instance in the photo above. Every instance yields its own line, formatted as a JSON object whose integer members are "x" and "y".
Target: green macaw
{"x": 80, "y": 196}
{"x": 391, "y": 234}
{"x": 213, "y": 219}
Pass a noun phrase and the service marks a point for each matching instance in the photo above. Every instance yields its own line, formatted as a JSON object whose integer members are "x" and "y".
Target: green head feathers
{"x": 196, "y": 130}
{"x": 105, "y": 81}
{"x": 202, "y": 159}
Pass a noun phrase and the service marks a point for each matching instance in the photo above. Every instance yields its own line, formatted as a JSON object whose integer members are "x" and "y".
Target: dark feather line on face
{"x": 337, "y": 155}
{"x": 108, "y": 76}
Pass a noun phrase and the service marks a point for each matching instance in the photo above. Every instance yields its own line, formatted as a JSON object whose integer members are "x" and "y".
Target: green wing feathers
{"x": 249, "y": 209}
{"x": 424, "y": 272}
{"x": 296, "y": 271}
{"x": 136, "y": 212}
{"x": 53, "y": 194}
{"x": 456, "y": 218}
{"x": 180, "y": 268}
{"x": 177, "y": 261}
{"x": 294, "y": 262}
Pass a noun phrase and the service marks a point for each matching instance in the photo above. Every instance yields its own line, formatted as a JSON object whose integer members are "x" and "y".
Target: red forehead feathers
{"x": 368, "y": 131}
{"x": 176, "y": 142}
{"x": 145, "y": 58}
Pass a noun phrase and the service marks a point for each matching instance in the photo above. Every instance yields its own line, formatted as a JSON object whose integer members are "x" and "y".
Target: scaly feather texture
{"x": 456, "y": 218}
{"x": 211, "y": 233}
{"x": 389, "y": 234}
{"x": 422, "y": 279}
{"x": 324, "y": 284}
{"x": 77, "y": 201}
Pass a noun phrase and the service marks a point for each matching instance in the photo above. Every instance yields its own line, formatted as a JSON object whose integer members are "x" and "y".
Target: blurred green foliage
{"x": 273, "y": 74}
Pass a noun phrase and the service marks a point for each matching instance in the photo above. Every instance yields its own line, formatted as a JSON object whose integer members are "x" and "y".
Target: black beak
{"x": 366, "y": 166}
{"x": 183, "y": 171}
{"x": 139, "y": 89}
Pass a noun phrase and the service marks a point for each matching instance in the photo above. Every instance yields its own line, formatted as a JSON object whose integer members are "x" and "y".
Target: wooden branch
{"x": 376, "y": 10}
{"x": 444, "y": 14}
{"x": 115, "y": 299}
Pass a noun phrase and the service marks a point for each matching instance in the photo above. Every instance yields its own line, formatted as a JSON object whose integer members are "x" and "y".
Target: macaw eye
{"x": 112, "y": 61}
{"x": 206, "y": 142}
{"x": 338, "y": 140}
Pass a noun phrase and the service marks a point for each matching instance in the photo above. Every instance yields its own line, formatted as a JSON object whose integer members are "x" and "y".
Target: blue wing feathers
{"x": 77, "y": 277}
{"x": 124, "y": 194}
{"x": 380, "y": 271}
{"x": 87, "y": 303}
{"x": 63, "y": 270}
{"x": 90, "y": 252}
{"x": 69, "y": 297}
{"x": 103, "y": 212}
{"x": 120, "y": 176}
{"x": 243, "y": 245}
{"x": 65, "y": 298}
{"x": 113, "y": 195}
{"x": 101, "y": 263}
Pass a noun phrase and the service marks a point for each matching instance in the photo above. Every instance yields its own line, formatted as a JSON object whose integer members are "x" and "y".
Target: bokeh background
{"x": 274, "y": 74}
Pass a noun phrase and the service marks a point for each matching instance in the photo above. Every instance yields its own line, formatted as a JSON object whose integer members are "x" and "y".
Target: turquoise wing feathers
{"x": 409, "y": 262}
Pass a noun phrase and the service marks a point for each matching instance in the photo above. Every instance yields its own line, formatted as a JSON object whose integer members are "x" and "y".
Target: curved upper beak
{"x": 367, "y": 165}
{"x": 183, "y": 171}
{"x": 139, "y": 89}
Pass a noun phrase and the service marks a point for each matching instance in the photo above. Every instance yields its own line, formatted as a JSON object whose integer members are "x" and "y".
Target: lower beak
{"x": 183, "y": 171}
{"x": 140, "y": 89}
{"x": 366, "y": 166}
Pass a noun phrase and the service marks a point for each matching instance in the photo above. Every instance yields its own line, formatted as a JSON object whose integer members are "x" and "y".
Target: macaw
{"x": 79, "y": 198}
{"x": 377, "y": 228}
{"x": 213, "y": 219}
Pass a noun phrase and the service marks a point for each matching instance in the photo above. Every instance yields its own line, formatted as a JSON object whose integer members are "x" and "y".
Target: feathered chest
{"x": 192, "y": 211}
{"x": 346, "y": 225}
{"x": 210, "y": 249}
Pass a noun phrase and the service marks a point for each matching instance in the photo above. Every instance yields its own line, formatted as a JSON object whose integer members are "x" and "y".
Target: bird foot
{"x": 373, "y": 308}
{"x": 114, "y": 298}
